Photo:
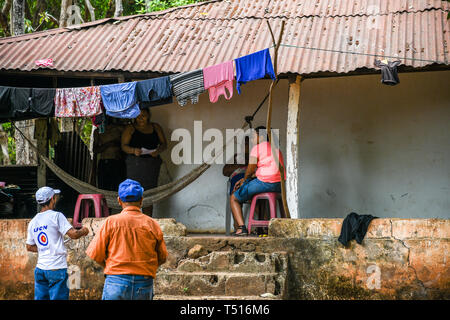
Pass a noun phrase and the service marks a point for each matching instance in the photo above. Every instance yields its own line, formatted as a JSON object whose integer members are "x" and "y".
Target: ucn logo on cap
{"x": 42, "y": 239}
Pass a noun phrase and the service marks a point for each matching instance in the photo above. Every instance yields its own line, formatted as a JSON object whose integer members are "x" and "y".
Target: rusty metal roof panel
{"x": 197, "y": 36}
{"x": 405, "y": 36}
{"x": 238, "y": 9}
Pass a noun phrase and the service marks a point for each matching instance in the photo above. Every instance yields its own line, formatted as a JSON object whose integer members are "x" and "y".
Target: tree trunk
{"x": 25, "y": 155}
{"x": 18, "y": 17}
{"x": 4, "y": 17}
{"x": 64, "y": 16}
{"x": 119, "y": 9}
{"x": 91, "y": 9}
{"x": 4, "y": 146}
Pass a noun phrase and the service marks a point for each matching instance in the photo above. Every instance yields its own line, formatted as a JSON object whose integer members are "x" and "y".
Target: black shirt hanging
{"x": 389, "y": 75}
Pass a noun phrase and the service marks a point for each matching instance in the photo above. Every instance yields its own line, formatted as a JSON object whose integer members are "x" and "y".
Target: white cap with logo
{"x": 44, "y": 194}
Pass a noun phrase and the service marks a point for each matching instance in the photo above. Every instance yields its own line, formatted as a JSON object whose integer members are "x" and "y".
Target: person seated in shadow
{"x": 143, "y": 141}
{"x": 111, "y": 163}
{"x": 235, "y": 171}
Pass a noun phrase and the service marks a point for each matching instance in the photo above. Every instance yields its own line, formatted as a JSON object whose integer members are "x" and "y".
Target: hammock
{"x": 150, "y": 196}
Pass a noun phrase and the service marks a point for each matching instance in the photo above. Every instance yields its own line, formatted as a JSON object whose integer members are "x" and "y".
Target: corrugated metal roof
{"x": 200, "y": 35}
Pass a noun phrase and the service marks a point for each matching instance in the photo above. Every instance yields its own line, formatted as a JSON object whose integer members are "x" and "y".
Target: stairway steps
{"x": 224, "y": 275}
{"x": 217, "y": 284}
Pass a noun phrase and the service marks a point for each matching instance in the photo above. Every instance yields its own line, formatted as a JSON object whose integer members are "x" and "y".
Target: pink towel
{"x": 44, "y": 62}
{"x": 218, "y": 78}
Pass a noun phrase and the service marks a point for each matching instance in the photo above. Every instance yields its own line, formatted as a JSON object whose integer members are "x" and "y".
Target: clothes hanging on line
{"x": 78, "y": 102}
{"x": 389, "y": 74}
{"x": 154, "y": 92}
{"x": 43, "y": 101}
{"x": 253, "y": 67}
{"x": 5, "y": 106}
{"x": 25, "y": 103}
{"x": 354, "y": 226}
{"x": 120, "y": 100}
{"x": 218, "y": 79}
{"x": 187, "y": 85}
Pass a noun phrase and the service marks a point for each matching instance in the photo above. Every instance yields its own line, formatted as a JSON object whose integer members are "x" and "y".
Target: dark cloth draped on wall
{"x": 354, "y": 226}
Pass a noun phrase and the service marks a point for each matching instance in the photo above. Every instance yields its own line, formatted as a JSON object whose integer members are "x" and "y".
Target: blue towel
{"x": 120, "y": 100}
{"x": 252, "y": 67}
{"x": 154, "y": 92}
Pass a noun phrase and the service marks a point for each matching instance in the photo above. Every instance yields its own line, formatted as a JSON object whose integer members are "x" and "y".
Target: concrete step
{"x": 229, "y": 284}
{"x": 184, "y": 297}
{"x": 236, "y": 261}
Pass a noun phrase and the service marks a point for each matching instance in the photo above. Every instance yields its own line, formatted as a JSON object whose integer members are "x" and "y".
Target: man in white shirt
{"x": 46, "y": 237}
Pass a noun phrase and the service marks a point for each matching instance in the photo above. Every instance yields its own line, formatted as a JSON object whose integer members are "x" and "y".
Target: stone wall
{"x": 398, "y": 259}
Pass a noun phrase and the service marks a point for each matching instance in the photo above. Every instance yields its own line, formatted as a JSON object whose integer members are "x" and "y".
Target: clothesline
{"x": 361, "y": 53}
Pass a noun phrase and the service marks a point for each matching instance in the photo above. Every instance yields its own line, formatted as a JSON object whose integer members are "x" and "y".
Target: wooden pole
{"x": 269, "y": 119}
{"x": 292, "y": 143}
{"x": 42, "y": 146}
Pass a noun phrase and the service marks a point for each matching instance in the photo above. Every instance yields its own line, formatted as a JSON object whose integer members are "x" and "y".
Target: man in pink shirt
{"x": 263, "y": 167}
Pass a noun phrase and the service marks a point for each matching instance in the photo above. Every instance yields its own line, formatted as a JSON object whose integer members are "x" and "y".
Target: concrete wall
{"x": 375, "y": 149}
{"x": 364, "y": 147}
{"x": 398, "y": 258}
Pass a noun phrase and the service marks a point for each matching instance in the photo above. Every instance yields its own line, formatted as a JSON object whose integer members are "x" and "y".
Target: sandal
{"x": 244, "y": 231}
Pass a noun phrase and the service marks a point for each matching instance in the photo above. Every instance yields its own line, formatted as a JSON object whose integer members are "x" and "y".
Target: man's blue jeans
{"x": 128, "y": 287}
{"x": 51, "y": 284}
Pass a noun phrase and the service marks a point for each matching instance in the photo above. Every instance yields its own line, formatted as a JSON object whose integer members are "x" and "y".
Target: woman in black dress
{"x": 142, "y": 142}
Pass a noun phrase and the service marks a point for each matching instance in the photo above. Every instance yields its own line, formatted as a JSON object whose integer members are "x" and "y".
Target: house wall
{"x": 364, "y": 147}
{"x": 375, "y": 149}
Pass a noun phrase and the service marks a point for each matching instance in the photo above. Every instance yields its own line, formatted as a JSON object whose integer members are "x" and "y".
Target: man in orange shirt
{"x": 130, "y": 246}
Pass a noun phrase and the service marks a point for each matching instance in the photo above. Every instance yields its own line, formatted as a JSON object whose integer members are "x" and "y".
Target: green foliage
{"x": 9, "y": 129}
{"x": 85, "y": 132}
{"x": 48, "y": 15}
{"x": 158, "y": 5}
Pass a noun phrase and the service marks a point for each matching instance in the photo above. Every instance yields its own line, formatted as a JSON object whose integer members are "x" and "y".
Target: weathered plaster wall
{"x": 375, "y": 149}
{"x": 398, "y": 259}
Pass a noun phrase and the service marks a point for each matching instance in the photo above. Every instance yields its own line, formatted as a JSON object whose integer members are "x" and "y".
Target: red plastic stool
{"x": 273, "y": 197}
{"x": 82, "y": 208}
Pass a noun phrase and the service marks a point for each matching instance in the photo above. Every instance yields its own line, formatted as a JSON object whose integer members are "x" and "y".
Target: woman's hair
{"x": 148, "y": 111}
{"x": 262, "y": 132}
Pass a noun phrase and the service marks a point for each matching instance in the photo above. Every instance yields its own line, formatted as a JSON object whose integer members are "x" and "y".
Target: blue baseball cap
{"x": 130, "y": 191}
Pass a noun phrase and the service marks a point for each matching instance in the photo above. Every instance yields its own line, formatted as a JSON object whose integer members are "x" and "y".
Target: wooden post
{"x": 292, "y": 146}
{"x": 269, "y": 119}
{"x": 42, "y": 146}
